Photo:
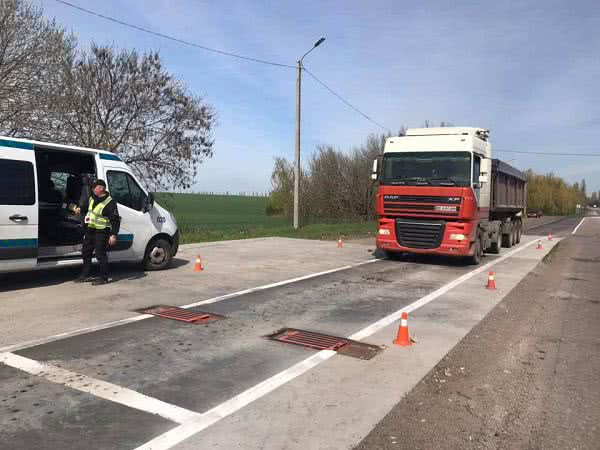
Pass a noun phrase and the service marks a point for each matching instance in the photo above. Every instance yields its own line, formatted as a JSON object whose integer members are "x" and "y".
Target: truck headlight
{"x": 384, "y": 232}
{"x": 457, "y": 237}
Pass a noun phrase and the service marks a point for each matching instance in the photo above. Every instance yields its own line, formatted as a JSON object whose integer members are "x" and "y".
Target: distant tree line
{"x": 117, "y": 100}
{"x": 553, "y": 195}
{"x": 337, "y": 184}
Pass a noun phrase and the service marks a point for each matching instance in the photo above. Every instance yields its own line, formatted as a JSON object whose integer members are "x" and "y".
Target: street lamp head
{"x": 319, "y": 42}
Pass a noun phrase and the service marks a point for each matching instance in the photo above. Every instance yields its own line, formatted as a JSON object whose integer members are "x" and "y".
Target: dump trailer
{"x": 441, "y": 192}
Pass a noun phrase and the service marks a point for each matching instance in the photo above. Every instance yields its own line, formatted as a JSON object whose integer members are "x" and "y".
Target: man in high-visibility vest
{"x": 102, "y": 223}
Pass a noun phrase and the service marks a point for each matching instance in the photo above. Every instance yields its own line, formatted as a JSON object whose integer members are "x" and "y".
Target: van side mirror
{"x": 149, "y": 202}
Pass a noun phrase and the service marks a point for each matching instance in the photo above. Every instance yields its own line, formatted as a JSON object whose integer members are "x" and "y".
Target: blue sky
{"x": 528, "y": 70}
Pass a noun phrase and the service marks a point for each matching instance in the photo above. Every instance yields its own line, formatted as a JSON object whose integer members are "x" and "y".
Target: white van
{"x": 38, "y": 182}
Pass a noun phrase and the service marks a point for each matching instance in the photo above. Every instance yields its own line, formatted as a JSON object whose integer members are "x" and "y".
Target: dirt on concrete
{"x": 527, "y": 376}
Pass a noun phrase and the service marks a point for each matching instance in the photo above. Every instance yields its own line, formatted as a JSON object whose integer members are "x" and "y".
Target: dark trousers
{"x": 95, "y": 241}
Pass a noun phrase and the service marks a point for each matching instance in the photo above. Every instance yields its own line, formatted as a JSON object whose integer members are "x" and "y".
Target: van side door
{"x": 136, "y": 225}
{"x": 18, "y": 206}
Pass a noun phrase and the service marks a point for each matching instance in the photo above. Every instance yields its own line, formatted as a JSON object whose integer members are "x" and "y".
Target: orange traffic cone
{"x": 198, "y": 265}
{"x": 550, "y": 236}
{"x": 491, "y": 284}
{"x": 539, "y": 246}
{"x": 340, "y": 243}
{"x": 402, "y": 338}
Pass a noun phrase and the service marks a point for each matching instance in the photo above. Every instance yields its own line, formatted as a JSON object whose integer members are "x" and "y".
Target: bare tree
{"x": 33, "y": 54}
{"x": 129, "y": 104}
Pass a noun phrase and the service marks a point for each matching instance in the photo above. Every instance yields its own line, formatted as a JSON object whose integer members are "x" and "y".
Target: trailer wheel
{"x": 519, "y": 231}
{"x": 495, "y": 247}
{"x": 508, "y": 240}
{"x": 158, "y": 255}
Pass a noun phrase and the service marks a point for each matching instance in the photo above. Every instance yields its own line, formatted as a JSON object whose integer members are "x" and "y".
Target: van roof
{"x": 7, "y": 141}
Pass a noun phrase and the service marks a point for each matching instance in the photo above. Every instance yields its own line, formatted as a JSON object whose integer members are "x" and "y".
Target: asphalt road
{"x": 527, "y": 375}
{"x": 133, "y": 382}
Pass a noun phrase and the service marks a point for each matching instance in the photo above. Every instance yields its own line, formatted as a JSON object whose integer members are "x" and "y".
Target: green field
{"x": 203, "y": 218}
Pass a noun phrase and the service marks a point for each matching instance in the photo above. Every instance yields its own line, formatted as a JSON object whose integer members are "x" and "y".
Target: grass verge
{"x": 327, "y": 231}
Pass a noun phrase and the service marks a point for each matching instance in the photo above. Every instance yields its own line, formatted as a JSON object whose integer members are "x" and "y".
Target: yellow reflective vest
{"x": 94, "y": 218}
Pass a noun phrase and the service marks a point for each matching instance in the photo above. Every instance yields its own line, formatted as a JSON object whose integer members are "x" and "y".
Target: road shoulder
{"x": 524, "y": 377}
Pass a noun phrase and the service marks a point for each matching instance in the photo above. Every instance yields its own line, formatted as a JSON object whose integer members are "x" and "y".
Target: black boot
{"x": 83, "y": 278}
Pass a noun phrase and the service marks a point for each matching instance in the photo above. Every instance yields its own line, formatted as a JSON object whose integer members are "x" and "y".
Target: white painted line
{"x": 99, "y": 388}
{"x": 80, "y": 331}
{"x": 212, "y": 416}
{"x": 545, "y": 223}
{"x": 279, "y": 283}
{"x": 578, "y": 225}
{"x": 388, "y": 320}
{"x": 68, "y": 334}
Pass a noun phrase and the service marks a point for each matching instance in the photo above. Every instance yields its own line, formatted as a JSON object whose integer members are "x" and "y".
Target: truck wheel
{"x": 391, "y": 255}
{"x": 508, "y": 240}
{"x": 495, "y": 247}
{"x": 476, "y": 258}
{"x": 519, "y": 230}
{"x": 158, "y": 255}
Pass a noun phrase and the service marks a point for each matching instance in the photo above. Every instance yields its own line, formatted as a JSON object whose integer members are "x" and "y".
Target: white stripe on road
{"x": 545, "y": 223}
{"x": 578, "y": 225}
{"x": 279, "y": 283}
{"x": 99, "y": 388}
{"x": 212, "y": 416}
{"x": 116, "y": 323}
{"x": 388, "y": 320}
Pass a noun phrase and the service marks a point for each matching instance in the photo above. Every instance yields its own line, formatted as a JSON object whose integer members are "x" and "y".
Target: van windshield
{"x": 427, "y": 168}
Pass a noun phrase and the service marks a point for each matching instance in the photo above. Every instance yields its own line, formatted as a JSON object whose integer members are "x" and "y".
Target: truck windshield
{"x": 427, "y": 168}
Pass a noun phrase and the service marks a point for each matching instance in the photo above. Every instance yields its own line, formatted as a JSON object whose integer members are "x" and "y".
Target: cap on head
{"x": 99, "y": 183}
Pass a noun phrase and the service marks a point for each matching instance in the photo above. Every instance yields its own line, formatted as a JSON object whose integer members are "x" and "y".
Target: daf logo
{"x": 454, "y": 199}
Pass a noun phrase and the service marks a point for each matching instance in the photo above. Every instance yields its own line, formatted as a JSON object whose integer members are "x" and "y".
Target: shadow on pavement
{"x": 119, "y": 271}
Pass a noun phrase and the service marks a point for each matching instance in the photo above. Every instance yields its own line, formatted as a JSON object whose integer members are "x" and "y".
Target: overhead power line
{"x": 221, "y": 52}
{"x": 547, "y": 153}
{"x": 344, "y": 100}
{"x": 171, "y": 38}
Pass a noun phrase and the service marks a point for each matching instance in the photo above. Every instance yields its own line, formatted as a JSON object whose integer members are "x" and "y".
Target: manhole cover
{"x": 181, "y": 314}
{"x": 319, "y": 341}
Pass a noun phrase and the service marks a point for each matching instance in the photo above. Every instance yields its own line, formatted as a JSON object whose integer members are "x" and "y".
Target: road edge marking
{"x": 116, "y": 323}
{"x": 182, "y": 432}
{"x": 578, "y": 225}
{"x": 99, "y": 388}
{"x": 279, "y": 283}
{"x": 545, "y": 223}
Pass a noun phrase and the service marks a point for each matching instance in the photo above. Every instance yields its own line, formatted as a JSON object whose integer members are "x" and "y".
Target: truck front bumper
{"x": 387, "y": 240}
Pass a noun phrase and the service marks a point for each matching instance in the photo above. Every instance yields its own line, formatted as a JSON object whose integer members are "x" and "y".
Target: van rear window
{"x": 17, "y": 182}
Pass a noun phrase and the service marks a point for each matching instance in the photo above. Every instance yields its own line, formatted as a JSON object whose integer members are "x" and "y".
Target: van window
{"x": 17, "y": 182}
{"x": 124, "y": 189}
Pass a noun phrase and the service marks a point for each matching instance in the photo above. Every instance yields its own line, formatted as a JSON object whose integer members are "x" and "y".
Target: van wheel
{"x": 158, "y": 255}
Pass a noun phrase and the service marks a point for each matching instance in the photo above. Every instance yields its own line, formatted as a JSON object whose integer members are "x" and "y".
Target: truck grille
{"x": 419, "y": 234}
{"x": 397, "y": 204}
{"x": 420, "y": 199}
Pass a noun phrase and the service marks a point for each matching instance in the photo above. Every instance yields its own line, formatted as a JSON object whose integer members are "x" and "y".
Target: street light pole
{"x": 297, "y": 154}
